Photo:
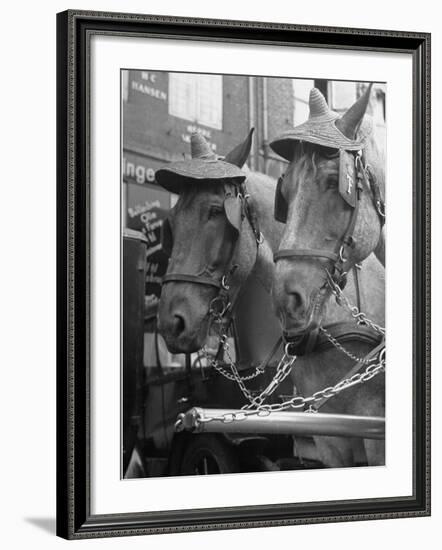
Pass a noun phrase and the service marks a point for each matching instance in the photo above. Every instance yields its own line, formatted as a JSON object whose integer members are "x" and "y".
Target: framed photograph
{"x": 243, "y": 274}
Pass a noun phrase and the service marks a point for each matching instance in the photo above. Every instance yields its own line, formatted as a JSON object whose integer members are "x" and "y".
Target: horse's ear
{"x": 280, "y": 209}
{"x": 349, "y": 123}
{"x": 233, "y": 209}
{"x": 239, "y": 154}
{"x": 166, "y": 237}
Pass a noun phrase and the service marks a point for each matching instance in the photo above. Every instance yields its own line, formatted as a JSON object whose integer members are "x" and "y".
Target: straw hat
{"x": 319, "y": 129}
{"x": 204, "y": 165}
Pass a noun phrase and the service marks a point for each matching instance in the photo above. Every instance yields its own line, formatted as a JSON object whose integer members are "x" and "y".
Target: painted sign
{"x": 147, "y": 83}
{"x": 148, "y": 218}
{"x": 139, "y": 171}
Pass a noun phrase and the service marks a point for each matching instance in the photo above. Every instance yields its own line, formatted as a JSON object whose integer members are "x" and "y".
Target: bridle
{"x": 225, "y": 299}
{"x": 352, "y": 173}
{"x": 340, "y": 256}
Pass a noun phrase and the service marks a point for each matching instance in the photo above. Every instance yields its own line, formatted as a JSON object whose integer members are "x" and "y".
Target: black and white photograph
{"x": 243, "y": 271}
{"x": 253, "y": 273}
{"x": 221, "y": 266}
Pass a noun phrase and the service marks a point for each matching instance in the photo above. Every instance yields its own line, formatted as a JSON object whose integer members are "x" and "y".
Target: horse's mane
{"x": 374, "y": 154}
{"x": 375, "y": 157}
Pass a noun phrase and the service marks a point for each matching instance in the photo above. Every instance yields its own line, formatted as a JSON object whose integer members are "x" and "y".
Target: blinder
{"x": 347, "y": 177}
{"x": 234, "y": 211}
{"x": 236, "y": 207}
{"x": 280, "y": 207}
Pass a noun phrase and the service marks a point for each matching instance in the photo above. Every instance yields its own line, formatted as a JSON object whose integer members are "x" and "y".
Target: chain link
{"x": 282, "y": 371}
{"x": 359, "y": 316}
{"x": 340, "y": 347}
{"x": 298, "y": 402}
{"x": 223, "y": 340}
{"x": 256, "y": 405}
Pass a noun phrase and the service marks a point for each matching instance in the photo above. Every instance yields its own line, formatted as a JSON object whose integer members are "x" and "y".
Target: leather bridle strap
{"x": 338, "y": 258}
{"x": 304, "y": 252}
{"x": 222, "y": 284}
{"x": 183, "y": 277}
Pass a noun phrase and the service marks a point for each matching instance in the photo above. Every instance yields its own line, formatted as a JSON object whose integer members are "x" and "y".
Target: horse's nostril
{"x": 295, "y": 301}
{"x": 178, "y": 324}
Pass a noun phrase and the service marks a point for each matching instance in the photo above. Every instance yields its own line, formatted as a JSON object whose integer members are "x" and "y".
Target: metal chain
{"x": 218, "y": 366}
{"x": 282, "y": 371}
{"x": 300, "y": 402}
{"x": 285, "y": 365}
{"x": 340, "y": 347}
{"x": 359, "y": 316}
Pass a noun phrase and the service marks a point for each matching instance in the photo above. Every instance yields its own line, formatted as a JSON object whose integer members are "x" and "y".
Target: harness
{"x": 237, "y": 206}
{"x": 352, "y": 172}
{"x": 222, "y": 306}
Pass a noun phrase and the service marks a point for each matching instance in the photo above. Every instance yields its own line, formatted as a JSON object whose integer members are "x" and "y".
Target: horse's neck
{"x": 262, "y": 191}
{"x": 264, "y": 268}
{"x": 380, "y": 249}
{"x": 257, "y": 326}
{"x": 375, "y": 157}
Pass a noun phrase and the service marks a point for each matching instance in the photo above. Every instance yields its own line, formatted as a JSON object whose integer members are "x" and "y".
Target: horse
{"x": 330, "y": 199}
{"x": 206, "y": 243}
{"x": 208, "y": 240}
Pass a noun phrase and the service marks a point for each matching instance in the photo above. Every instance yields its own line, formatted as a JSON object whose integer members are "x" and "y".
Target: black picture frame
{"x": 74, "y": 518}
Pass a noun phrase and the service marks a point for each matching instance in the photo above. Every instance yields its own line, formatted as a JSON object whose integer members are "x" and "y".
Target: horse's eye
{"x": 214, "y": 211}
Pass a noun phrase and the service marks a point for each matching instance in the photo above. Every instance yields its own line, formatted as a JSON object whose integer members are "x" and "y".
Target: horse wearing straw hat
{"x": 331, "y": 202}
{"x": 221, "y": 234}
{"x": 216, "y": 244}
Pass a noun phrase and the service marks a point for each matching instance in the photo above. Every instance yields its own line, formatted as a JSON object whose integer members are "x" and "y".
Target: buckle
{"x": 218, "y": 310}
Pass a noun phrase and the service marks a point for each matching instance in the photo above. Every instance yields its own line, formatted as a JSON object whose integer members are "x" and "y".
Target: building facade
{"x": 160, "y": 111}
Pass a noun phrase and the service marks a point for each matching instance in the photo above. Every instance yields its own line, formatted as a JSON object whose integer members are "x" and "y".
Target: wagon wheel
{"x": 208, "y": 454}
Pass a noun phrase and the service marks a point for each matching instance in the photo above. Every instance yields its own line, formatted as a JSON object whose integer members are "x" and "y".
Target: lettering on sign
{"x": 148, "y": 218}
{"x": 151, "y": 77}
{"x": 145, "y": 209}
{"x": 140, "y": 173}
{"x": 149, "y": 90}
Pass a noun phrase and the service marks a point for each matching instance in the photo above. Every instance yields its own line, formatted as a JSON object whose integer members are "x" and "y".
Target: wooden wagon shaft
{"x": 290, "y": 423}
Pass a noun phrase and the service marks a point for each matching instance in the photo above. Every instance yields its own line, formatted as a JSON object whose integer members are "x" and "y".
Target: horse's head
{"x": 203, "y": 230}
{"x": 326, "y": 198}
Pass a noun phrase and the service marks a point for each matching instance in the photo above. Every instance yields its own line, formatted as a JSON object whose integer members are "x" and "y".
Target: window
{"x": 198, "y": 98}
{"x": 301, "y": 93}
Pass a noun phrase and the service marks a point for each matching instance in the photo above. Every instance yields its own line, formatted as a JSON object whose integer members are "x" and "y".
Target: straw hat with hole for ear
{"x": 204, "y": 165}
{"x": 319, "y": 129}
